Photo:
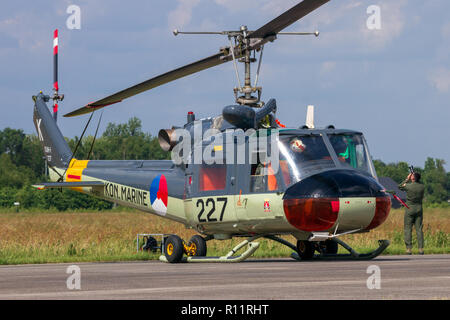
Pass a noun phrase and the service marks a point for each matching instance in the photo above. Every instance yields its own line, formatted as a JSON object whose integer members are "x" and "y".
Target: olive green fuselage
{"x": 218, "y": 214}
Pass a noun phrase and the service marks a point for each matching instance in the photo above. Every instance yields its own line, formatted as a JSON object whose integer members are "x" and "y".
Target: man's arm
{"x": 402, "y": 186}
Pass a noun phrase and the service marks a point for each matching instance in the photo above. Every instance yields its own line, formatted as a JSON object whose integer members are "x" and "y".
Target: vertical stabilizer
{"x": 56, "y": 149}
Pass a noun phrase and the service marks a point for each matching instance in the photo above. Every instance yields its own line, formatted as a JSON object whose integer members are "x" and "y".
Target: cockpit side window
{"x": 350, "y": 150}
{"x": 263, "y": 177}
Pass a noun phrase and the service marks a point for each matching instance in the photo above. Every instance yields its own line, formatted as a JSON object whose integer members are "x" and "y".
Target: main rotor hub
{"x": 245, "y": 42}
{"x": 248, "y": 98}
{"x": 242, "y": 48}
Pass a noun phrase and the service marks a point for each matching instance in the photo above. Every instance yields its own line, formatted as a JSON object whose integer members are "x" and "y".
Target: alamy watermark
{"x": 373, "y": 22}
{"x": 73, "y": 282}
{"x": 233, "y": 146}
{"x": 74, "y": 20}
{"x": 374, "y": 281}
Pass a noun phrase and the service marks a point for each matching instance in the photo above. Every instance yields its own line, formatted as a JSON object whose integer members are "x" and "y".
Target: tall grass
{"x": 436, "y": 228}
{"x": 43, "y": 237}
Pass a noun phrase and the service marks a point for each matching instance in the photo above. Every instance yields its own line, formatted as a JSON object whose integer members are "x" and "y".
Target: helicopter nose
{"x": 316, "y": 202}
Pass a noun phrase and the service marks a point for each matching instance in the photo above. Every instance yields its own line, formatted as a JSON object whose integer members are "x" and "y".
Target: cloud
{"x": 440, "y": 79}
{"x": 446, "y": 30}
{"x": 327, "y": 67}
{"x": 347, "y": 23}
{"x": 343, "y": 26}
{"x": 275, "y": 8}
{"x": 392, "y": 24}
{"x": 239, "y": 5}
{"x": 182, "y": 14}
{"x": 23, "y": 31}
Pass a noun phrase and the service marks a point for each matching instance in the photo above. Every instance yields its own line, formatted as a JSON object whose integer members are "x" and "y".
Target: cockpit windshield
{"x": 300, "y": 155}
{"x": 351, "y": 151}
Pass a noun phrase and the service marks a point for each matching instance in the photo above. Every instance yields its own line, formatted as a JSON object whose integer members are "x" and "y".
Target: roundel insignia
{"x": 159, "y": 195}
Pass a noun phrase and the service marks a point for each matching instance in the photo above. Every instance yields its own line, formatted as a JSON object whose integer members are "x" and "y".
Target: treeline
{"x": 22, "y": 164}
{"x": 434, "y": 177}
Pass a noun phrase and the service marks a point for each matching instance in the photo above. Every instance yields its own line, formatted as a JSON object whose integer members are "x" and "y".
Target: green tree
{"x": 11, "y": 142}
{"x": 448, "y": 184}
{"x": 396, "y": 171}
{"x": 23, "y": 150}
{"x": 32, "y": 155}
{"x": 125, "y": 141}
{"x": 130, "y": 142}
{"x": 436, "y": 181}
{"x": 13, "y": 176}
{"x": 21, "y": 165}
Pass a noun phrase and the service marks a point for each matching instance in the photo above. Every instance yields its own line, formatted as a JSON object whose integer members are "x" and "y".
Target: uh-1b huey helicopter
{"x": 324, "y": 184}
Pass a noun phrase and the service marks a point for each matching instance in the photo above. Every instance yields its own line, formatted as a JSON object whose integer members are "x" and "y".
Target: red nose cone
{"x": 381, "y": 212}
{"x": 312, "y": 214}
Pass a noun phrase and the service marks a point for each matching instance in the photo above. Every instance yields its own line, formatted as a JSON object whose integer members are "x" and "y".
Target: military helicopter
{"x": 316, "y": 185}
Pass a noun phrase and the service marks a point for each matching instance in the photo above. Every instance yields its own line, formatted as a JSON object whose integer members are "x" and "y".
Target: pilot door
{"x": 211, "y": 197}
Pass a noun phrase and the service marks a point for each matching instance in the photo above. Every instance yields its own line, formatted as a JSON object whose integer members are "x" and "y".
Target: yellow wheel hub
{"x": 302, "y": 247}
{"x": 191, "y": 250}
{"x": 170, "y": 249}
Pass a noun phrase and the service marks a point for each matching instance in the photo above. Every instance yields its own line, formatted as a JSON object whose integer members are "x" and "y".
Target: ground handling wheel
{"x": 197, "y": 246}
{"x": 305, "y": 249}
{"x": 173, "y": 249}
{"x": 331, "y": 247}
{"x": 150, "y": 244}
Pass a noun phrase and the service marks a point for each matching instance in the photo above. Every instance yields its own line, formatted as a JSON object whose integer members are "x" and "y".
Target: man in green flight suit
{"x": 414, "y": 214}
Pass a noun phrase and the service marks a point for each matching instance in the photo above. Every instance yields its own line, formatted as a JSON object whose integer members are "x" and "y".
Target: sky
{"x": 391, "y": 82}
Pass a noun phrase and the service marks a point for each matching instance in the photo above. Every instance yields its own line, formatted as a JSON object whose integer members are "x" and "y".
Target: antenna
{"x": 55, "y": 97}
{"x": 310, "y": 117}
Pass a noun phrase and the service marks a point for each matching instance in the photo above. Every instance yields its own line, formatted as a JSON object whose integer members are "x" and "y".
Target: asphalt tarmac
{"x": 386, "y": 277}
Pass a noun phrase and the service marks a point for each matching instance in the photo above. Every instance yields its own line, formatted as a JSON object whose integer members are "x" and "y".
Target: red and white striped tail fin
{"x": 56, "y": 96}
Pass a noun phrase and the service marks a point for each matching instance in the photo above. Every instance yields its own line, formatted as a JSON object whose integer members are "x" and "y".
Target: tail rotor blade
{"x": 55, "y": 73}
{"x": 55, "y": 111}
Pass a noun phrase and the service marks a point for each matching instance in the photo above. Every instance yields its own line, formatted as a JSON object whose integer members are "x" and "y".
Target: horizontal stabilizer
{"x": 76, "y": 184}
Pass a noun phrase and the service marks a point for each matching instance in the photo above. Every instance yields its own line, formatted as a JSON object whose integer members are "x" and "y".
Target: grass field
{"x": 44, "y": 237}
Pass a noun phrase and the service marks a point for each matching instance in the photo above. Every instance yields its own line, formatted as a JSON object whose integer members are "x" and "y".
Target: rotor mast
{"x": 243, "y": 47}
{"x": 247, "y": 90}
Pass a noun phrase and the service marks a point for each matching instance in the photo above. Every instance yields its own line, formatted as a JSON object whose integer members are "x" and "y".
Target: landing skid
{"x": 228, "y": 258}
{"x": 353, "y": 255}
{"x": 253, "y": 246}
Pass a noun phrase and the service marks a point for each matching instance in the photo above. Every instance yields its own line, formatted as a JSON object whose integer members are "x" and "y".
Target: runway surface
{"x": 401, "y": 277}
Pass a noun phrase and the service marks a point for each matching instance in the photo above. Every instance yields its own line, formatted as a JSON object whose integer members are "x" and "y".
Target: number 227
{"x": 210, "y": 202}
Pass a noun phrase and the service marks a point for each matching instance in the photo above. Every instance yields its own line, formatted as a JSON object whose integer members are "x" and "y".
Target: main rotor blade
{"x": 270, "y": 29}
{"x": 186, "y": 70}
{"x": 287, "y": 18}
